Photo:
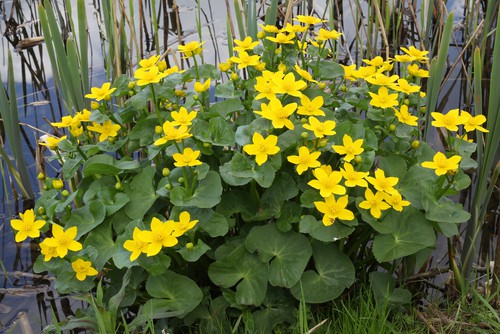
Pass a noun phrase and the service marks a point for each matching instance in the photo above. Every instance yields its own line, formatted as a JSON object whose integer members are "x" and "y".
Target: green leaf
{"x": 244, "y": 270}
{"x": 226, "y": 107}
{"x": 240, "y": 169}
{"x": 177, "y": 293}
{"x": 207, "y": 194}
{"x": 144, "y": 131}
{"x": 287, "y": 253}
{"x": 383, "y": 287}
{"x": 334, "y": 273}
{"x": 86, "y": 218}
{"x": 330, "y": 70}
{"x": 226, "y": 91}
{"x": 70, "y": 166}
{"x": 393, "y": 165}
{"x": 317, "y": 230}
{"x": 212, "y": 222}
{"x": 446, "y": 211}
{"x": 194, "y": 254}
{"x": 101, "y": 164}
{"x": 101, "y": 239}
{"x": 218, "y": 132}
{"x": 290, "y": 214}
{"x": 413, "y": 233}
{"x": 142, "y": 193}
{"x": 155, "y": 265}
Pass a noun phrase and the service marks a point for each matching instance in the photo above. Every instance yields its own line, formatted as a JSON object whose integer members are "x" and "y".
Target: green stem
{"x": 157, "y": 107}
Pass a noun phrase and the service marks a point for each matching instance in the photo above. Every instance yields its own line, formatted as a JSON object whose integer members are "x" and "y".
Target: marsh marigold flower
{"x": 334, "y": 209}
{"x": 202, "y": 87}
{"x": 63, "y": 241}
{"x": 51, "y": 142}
{"x": 324, "y": 35}
{"x": 416, "y": 54}
{"x": 383, "y": 99}
{"x": 309, "y": 20}
{"x": 278, "y": 114}
{"x": 159, "y": 236}
{"x": 265, "y": 88}
{"x": 374, "y": 202}
{"x": 106, "y": 130}
{"x": 27, "y": 226}
{"x": 352, "y": 177}
{"x": 305, "y": 159}
{"x": 310, "y": 107}
{"x": 188, "y": 157}
{"x": 262, "y": 148}
{"x": 47, "y": 251}
{"x": 417, "y": 71}
{"x": 246, "y": 44}
{"x": 148, "y": 76}
{"x": 83, "y": 269}
{"x": 349, "y": 148}
{"x": 136, "y": 245}
{"x": 383, "y": 183}
{"x": 450, "y": 120}
{"x": 101, "y": 93}
{"x": 320, "y": 129}
{"x": 149, "y": 62}
{"x": 327, "y": 182}
{"x": 282, "y": 38}
{"x": 172, "y": 133}
{"x": 184, "y": 224}
{"x": 381, "y": 79}
{"x": 304, "y": 74}
{"x": 396, "y": 201}
{"x": 191, "y": 49}
{"x": 288, "y": 85}
{"x": 472, "y": 123}
{"x": 405, "y": 117}
{"x": 441, "y": 164}
{"x": 244, "y": 59}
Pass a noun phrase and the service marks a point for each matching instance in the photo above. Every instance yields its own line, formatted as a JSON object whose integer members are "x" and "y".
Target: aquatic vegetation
{"x": 301, "y": 177}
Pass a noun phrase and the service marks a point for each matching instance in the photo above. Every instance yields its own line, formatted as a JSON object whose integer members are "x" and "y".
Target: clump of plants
{"x": 219, "y": 195}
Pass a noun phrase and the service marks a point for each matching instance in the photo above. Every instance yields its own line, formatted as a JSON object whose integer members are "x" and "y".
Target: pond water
{"x": 28, "y": 301}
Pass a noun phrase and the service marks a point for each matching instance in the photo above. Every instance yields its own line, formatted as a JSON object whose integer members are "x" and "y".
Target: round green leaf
{"x": 177, "y": 293}
{"x": 207, "y": 194}
{"x": 334, "y": 273}
{"x": 288, "y": 253}
{"x": 244, "y": 270}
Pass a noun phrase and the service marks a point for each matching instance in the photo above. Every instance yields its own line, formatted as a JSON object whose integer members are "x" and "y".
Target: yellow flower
{"x": 333, "y": 209}
{"x": 383, "y": 99}
{"x": 416, "y": 54}
{"x": 349, "y": 72}
{"x": 76, "y": 130}
{"x": 293, "y": 29}
{"x": 83, "y": 269}
{"x": 282, "y": 38}
{"x": 27, "y": 226}
{"x": 364, "y": 72}
{"x": 51, "y": 142}
{"x": 278, "y": 114}
{"x": 101, "y": 93}
{"x": 377, "y": 61}
{"x": 188, "y": 157}
{"x": 262, "y": 148}
{"x": 417, "y": 71}
{"x": 304, "y": 74}
{"x": 269, "y": 28}
{"x": 324, "y": 35}
{"x": 150, "y": 62}
{"x": 349, "y": 148}
{"x": 396, "y": 201}
{"x": 148, "y": 76}
{"x": 66, "y": 122}
{"x": 265, "y": 88}
{"x": 353, "y": 178}
{"x": 159, "y": 236}
{"x": 289, "y": 86}
{"x": 405, "y": 87}
{"x": 403, "y": 58}
{"x": 309, "y": 20}
{"x": 191, "y": 49}
{"x": 450, "y": 120}
{"x": 244, "y": 59}
{"x": 182, "y": 117}
{"x": 64, "y": 241}
{"x": 107, "y": 129}
{"x": 200, "y": 88}
{"x": 83, "y": 115}
{"x": 383, "y": 183}
{"x": 311, "y": 107}
{"x": 184, "y": 224}
{"x": 381, "y": 79}
{"x": 171, "y": 70}
{"x": 320, "y": 129}
{"x": 305, "y": 159}
{"x": 246, "y": 44}
{"x": 172, "y": 133}
{"x": 48, "y": 251}
{"x": 136, "y": 245}
{"x": 472, "y": 123}
{"x": 405, "y": 117}
{"x": 327, "y": 182}
{"x": 224, "y": 67}
{"x": 374, "y": 203}
{"x": 441, "y": 164}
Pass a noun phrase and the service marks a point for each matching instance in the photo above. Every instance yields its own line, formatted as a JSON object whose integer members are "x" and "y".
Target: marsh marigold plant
{"x": 239, "y": 189}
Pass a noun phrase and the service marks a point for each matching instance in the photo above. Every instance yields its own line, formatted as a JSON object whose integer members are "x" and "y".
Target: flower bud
{"x": 131, "y": 84}
{"x": 358, "y": 159}
{"x": 304, "y": 135}
{"x": 180, "y": 180}
{"x": 322, "y": 143}
{"x": 65, "y": 193}
{"x": 57, "y": 183}
{"x": 158, "y": 130}
{"x": 392, "y": 127}
{"x": 118, "y": 185}
{"x": 41, "y": 176}
{"x": 189, "y": 246}
{"x": 94, "y": 105}
{"x": 234, "y": 76}
{"x": 415, "y": 144}
{"x": 168, "y": 186}
{"x": 165, "y": 172}
{"x": 207, "y": 145}
{"x": 196, "y": 97}
{"x": 224, "y": 67}
{"x": 41, "y": 210}
{"x": 107, "y": 97}
{"x": 180, "y": 93}
{"x": 321, "y": 85}
{"x": 406, "y": 101}
{"x": 261, "y": 34}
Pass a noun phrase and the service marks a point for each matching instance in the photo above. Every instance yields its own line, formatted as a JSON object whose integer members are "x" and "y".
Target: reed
{"x": 9, "y": 113}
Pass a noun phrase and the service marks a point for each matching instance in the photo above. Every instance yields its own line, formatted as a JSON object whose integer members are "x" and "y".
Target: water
{"x": 26, "y": 300}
